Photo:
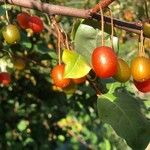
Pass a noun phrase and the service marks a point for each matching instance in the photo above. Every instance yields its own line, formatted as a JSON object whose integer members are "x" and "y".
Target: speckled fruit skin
{"x": 5, "y": 78}
{"x": 104, "y": 62}
{"x": 36, "y": 24}
{"x": 57, "y": 77}
{"x": 11, "y": 34}
{"x": 123, "y": 72}
{"x": 140, "y": 68}
{"x": 23, "y": 20}
{"x": 143, "y": 86}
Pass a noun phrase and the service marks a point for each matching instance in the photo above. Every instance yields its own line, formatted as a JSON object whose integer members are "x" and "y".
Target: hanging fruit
{"x": 23, "y": 20}
{"x": 140, "y": 68}
{"x": 104, "y": 62}
{"x": 36, "y": 24}
{"x": 123, "y": 71}
{"x": 11, "y": 34}
{"x": 57, "y": 75}
{"x": 143, "y": 86}
{"x": 5, "y": 78}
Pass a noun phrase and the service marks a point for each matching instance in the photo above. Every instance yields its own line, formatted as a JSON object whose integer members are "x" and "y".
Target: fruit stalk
{"x": 112, "y": 27}
{"x": 58, "y": 42}
{"x": 102, "y": 25}
{"x": 6, "y": 12}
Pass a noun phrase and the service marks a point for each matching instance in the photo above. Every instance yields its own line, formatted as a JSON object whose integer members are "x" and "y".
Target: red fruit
{"x": 23, "y": 20}
{"x": 104, "y": 62}
{"x": 79, "y": 80}
{"x": 36, "y": 24}
{"x": 57, "y": 77}
{"x": 5, "y": 78}
{"x": 143, "y": 86}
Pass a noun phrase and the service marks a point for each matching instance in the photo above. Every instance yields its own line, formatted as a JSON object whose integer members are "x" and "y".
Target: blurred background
{"x": 34, "y": 114}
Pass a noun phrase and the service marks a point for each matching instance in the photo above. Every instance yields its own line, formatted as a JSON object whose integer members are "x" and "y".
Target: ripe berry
{"x": 23, "y": 20}
{"x": 57, "y": 76}
{"x": 5, "y": 78}
{"x": 123, "y": 72}
{"x": 79, "y": 80}
{"x": 11, "y": 34}
{"x": 36, "y": 24}
{"x": 104, "y": 62}
{"x": 143, "y": 86}
{"x": 140, "y": 68}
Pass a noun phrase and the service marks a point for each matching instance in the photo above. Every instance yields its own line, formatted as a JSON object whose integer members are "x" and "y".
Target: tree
{"x": 97, "y": 114}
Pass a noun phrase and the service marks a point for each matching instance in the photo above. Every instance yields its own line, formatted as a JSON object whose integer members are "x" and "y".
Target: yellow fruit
{"x": 19, "y": 63}
{"x": 11, "y": 34}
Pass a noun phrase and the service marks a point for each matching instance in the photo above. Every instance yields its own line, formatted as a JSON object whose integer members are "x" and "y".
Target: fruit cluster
{"x": 11, "y": 34}
{"x": 26, "y": 21}
{"x": 106, "y": 64}
{"x": 104, "y": 61}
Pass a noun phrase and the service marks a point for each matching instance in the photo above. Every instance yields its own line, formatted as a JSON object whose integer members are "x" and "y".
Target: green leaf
{"x": 105, "y": 145}
{"x": 2, "y": 10}
{"x": 22, "y": 125}
{"x": 41, "y": 47}
{"x": 28, "y": 140}
{"x": 74, "y": 29}
{"x": 88, "y": 37}
{"x": 123, "y": 112}
{"x": 85, "y": 41}
{"x": 25, "y": 42}
{"x": 76, "y": 66}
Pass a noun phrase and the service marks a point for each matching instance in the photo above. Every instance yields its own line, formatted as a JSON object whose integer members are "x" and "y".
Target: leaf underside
{"x": 75, "y": 65}
{"x": 123, "y": 113}
{"x": 88, "y": 37}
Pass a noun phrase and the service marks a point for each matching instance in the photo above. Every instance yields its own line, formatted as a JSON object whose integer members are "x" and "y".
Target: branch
{"x": 50, "y": 8}
{"x": 133, "y": 27}
{"x": 102, "y": 4}
{"x": 74, "y": 12}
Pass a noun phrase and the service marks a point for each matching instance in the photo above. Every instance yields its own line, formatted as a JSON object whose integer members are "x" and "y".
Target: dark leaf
{"x": 123, "y": 112}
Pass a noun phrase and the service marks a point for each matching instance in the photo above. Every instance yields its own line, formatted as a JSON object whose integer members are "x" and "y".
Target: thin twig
{"x": 58, "y": 32}
{"x": 6, "y": 12}
{"x": 142, "y": 44}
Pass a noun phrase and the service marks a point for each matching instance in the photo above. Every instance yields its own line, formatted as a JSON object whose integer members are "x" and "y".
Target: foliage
{"x": 123, "y": 113}
{"x": 34, "y": 114}
{"x": 76, "y": 66}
